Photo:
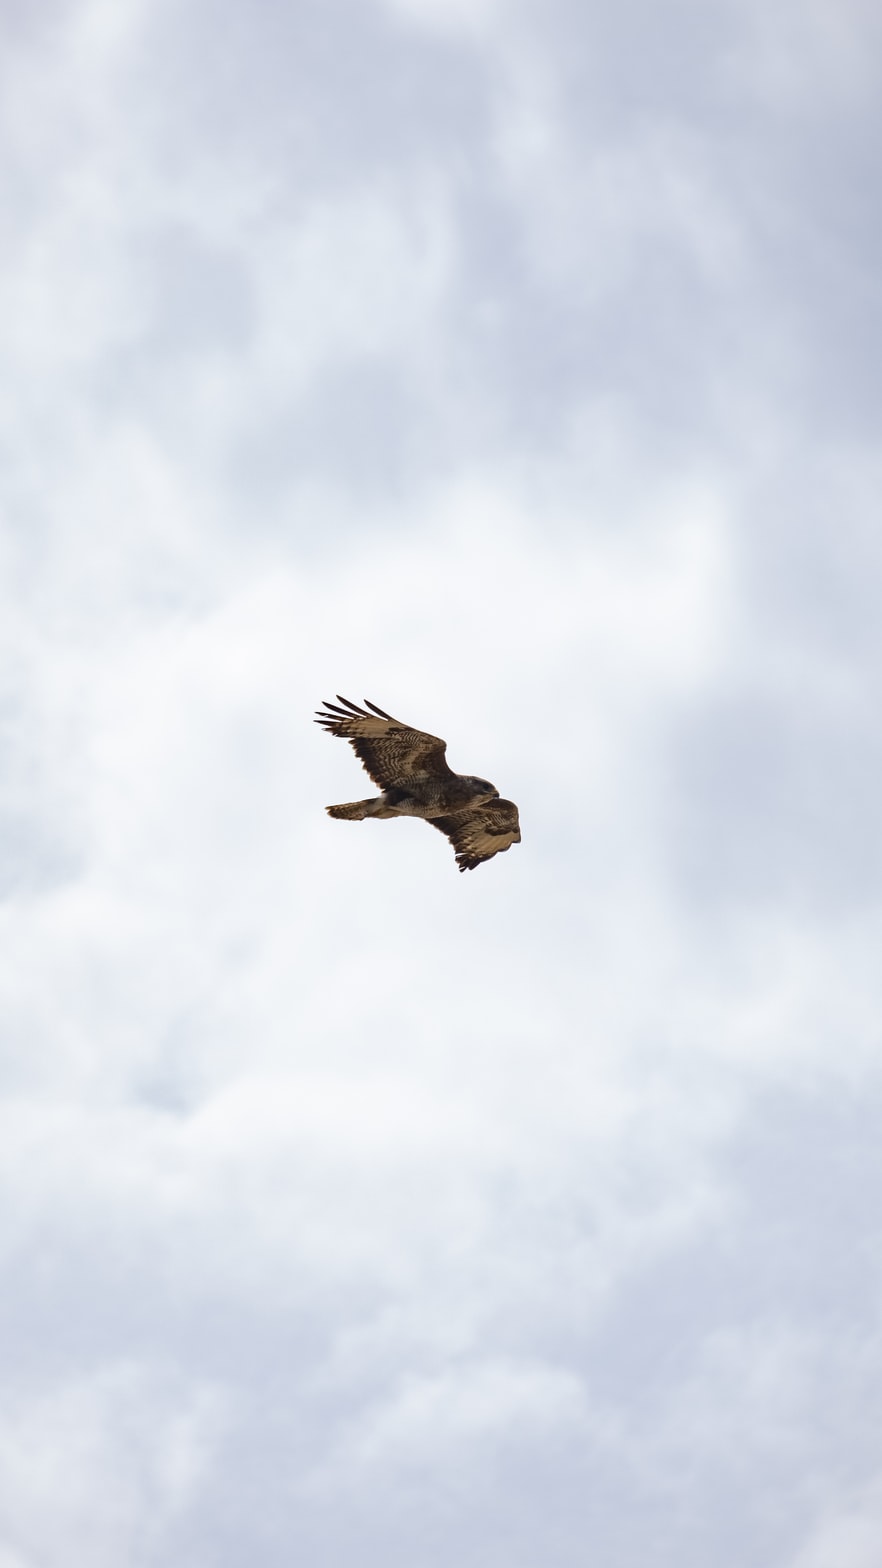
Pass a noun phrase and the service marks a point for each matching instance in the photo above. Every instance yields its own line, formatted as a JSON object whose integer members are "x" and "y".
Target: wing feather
{"x": 392, "y": 753}
{"x": 480, "y": 832}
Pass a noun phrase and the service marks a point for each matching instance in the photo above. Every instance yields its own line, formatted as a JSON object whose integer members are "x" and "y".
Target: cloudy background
{"x": 515, "y": 364}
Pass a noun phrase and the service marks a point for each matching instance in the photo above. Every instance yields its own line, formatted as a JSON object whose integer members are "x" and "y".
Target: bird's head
{"x": 484, "y": 790}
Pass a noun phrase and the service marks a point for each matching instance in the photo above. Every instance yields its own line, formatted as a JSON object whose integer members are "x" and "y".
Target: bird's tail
{"x": 354, "y": 810}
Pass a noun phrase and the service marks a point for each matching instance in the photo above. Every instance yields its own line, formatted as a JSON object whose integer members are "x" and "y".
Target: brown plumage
{"x": 411, "y": 769}
{"x": 482, "y": 832}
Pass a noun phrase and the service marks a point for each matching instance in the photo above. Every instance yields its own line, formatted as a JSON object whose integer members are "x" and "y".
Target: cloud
{"x": 106, "y": 1459}
{"x": 849, "y": 1536}
{"x": 474, "y": 364}
{"x": 445, "y": 1421}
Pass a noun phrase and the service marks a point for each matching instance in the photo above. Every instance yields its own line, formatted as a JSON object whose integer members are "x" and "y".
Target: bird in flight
{"x": 411, "y": 770}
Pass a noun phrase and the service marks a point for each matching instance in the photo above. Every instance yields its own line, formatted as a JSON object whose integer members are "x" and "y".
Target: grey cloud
{"x": 509, "y": 368}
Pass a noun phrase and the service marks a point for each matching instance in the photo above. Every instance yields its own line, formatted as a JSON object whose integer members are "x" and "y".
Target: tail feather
{"x": 353, "y": 811}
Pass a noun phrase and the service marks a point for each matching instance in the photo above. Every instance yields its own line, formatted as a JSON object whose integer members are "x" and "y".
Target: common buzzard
{"x": 411, "y": 770}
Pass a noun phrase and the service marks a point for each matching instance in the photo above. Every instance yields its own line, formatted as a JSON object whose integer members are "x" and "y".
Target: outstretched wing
{"x": 480, "y": 832}
{"x": 391, "y": 752}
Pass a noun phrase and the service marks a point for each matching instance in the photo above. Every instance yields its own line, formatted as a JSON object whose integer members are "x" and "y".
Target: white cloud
{"x": 322, "y": 1165}
{"x": 798, "y": 56}
{"x": 593, "y": 217}
{"x": 451, "y": 17}
{"x": 446, "y": 1421}
{"x": 104, "y": 1460}
{"x": 850, "y": 1536}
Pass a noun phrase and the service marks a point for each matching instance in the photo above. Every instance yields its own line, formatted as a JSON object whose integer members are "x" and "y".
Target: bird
{"x": 410, "y": 768}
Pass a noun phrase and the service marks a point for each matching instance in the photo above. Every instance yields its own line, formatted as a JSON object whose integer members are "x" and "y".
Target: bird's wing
{"x": 480, "y": 832}
{"x": 391, "y": 752}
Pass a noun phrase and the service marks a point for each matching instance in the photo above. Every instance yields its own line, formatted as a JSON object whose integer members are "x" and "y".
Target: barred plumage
{"x": 410, "y": 767}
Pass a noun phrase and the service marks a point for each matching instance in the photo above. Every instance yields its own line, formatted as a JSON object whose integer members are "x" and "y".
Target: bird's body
{"x": 411, "y": 769}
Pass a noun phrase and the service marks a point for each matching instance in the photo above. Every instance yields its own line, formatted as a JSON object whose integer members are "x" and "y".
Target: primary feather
{"x": 390, "y": 752}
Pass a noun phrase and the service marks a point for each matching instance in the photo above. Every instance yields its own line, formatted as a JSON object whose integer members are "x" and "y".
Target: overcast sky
{"x": 514, "y": 363}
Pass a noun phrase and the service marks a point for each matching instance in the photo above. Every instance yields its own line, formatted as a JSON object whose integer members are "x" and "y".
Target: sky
{"x": 514, "y": 365}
